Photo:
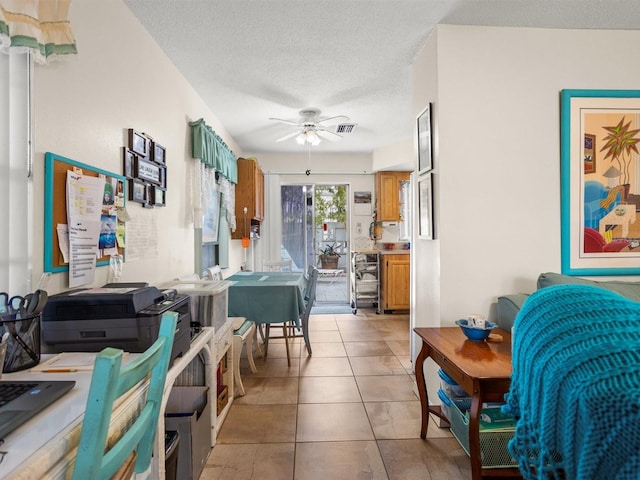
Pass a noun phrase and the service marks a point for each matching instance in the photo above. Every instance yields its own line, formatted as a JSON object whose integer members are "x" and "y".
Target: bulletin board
{"x": 55, "y": 205}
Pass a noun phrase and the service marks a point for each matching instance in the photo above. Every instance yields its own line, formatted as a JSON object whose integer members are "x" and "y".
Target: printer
{"x": 125, "y": 316}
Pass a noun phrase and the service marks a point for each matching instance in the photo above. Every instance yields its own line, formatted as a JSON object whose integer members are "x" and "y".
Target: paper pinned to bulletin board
{"x": 64, "y": 183}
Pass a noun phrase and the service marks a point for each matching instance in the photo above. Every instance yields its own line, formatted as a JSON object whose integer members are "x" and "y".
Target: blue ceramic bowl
{"x": 474, "y": 333}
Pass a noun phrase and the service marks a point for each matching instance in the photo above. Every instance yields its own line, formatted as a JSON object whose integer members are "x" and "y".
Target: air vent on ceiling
{"x": 346, "y": 127}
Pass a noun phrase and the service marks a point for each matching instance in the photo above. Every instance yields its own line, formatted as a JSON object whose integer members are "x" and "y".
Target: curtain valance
{"x": 40, "y": 27}
{"x": 212, "y": 151}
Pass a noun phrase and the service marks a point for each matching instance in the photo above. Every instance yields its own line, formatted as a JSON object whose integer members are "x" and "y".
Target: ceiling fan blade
{"x": 288, "y": 136}
{"x": 288, "y": 122}
{"x": 336, "y": 119}
{"x": 334, "y": 137}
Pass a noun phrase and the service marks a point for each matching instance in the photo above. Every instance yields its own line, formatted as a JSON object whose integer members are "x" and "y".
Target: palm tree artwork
{"x": 619, "y": 143}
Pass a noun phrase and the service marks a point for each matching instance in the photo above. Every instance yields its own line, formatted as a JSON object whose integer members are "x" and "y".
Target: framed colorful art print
{"x": 600, "y": 182}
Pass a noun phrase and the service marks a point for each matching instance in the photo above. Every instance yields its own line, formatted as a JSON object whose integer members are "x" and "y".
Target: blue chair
{"x": 309, "y": 298}
{"x": 132, "y": 452}
{"x": 594, "y": 193}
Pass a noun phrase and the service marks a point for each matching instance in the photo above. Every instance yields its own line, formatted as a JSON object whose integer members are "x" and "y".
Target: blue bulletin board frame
{"x": 55, "y": 205}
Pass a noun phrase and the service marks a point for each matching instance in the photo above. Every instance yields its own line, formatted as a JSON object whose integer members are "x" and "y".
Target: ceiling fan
{"x": 311, "y": 128}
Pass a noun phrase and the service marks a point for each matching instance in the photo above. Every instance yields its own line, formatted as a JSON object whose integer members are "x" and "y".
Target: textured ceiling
{"x": 254, "y": 59}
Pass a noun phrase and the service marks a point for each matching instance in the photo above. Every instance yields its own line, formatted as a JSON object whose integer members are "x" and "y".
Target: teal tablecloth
{"x": 267, "y": 297}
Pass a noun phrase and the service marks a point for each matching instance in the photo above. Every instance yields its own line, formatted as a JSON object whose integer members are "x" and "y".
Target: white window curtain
{"x": 29, "y": 30}
{"x": 15, "y": 174}
{"x": 40, "y": 27}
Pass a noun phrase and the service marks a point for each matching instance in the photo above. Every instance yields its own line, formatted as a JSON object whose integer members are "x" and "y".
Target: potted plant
{"x": 329, "y": 257}
{"x": 621, "y": 141}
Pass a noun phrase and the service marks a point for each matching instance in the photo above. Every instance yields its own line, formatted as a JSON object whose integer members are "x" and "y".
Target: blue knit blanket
{"x": 575, "y": 386}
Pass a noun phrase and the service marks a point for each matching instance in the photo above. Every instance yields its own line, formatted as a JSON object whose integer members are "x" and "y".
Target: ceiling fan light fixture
{"x": 313, "y": 138}
{"x": 313, "y": 128}
{"x": 308, "y": 136}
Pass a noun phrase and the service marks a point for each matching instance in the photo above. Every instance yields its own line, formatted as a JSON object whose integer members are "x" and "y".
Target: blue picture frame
{"x": 582, "y": 218}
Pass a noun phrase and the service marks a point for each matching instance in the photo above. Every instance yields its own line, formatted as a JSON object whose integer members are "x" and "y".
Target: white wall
{"x": 83, "y": 105}
{"x": 497, "y": 155}
{"x": 399, "y": 156}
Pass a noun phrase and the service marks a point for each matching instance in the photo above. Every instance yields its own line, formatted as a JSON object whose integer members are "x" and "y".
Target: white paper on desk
{"x": 69, "y": 360}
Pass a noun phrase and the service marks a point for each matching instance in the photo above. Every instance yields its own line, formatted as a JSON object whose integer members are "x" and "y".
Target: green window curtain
{"x": 212, "y": 151}
{"x": 41, "y": 27}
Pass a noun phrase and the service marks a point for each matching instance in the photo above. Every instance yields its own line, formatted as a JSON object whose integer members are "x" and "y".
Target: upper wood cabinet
{"x": 249, "y": 195}
{"x": 388, "y": 195}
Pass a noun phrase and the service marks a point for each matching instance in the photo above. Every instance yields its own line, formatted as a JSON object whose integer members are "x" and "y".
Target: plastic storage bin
{"x": 171, "y": 442}
{"x": 494, "y": 435}
{"x": 445, "y": 406}
{"x": 450, "y": 387}
{"x": 189, "y": 412}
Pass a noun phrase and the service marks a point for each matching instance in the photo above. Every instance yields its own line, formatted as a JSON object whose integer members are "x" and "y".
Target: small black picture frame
{"x": 128, "y": 162}
{"x": 163, "y": 177}
{"x": 158, "y": 196}
{"x": 158, "y": 153}
{"x": 138, "y": 142}
{"x": 148, "y": 196}
{"x": 137, "y": 191}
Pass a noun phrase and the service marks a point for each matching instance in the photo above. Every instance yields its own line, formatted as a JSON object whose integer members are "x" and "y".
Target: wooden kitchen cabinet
{"x": 388, "y": 195}
{"x": 395, "y": 281}
{"x": 249, "y": 194}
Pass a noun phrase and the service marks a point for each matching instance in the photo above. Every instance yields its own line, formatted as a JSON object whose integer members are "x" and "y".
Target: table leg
{"x": 474, "y": 436}
{"x": 422, "y": 389}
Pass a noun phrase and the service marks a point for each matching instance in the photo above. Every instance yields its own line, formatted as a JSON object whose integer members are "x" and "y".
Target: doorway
{"x": 314, "y": 228}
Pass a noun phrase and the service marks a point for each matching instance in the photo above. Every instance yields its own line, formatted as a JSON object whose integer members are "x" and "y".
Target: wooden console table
{"x": 482, "y": 369}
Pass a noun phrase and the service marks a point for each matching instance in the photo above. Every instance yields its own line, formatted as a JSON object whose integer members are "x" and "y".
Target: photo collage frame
{"x": 145, "y": 167}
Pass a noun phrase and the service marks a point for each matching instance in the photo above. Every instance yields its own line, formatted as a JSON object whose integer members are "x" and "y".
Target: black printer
{"x": 125, "y": 316}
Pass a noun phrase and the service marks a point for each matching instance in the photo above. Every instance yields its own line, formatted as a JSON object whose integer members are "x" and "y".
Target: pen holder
{"x": 23, "y": 343}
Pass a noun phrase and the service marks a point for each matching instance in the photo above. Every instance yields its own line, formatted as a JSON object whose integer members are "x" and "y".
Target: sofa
{"x": 508, "y": 306}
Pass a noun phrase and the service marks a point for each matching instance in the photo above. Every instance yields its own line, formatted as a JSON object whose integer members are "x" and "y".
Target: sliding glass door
{"x": 314, "y": 232}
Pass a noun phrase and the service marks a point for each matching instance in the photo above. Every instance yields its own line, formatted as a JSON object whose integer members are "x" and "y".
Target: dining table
{"x": 267, "y": 297}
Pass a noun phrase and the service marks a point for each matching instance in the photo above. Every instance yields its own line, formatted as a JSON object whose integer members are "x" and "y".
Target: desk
{"x": 45, "y": 446}
{"x": 482, "y": 369}
{"x": 267, "y": 297}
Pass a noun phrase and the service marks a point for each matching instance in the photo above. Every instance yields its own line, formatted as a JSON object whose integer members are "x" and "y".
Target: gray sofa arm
{"x": 507, "y": 309}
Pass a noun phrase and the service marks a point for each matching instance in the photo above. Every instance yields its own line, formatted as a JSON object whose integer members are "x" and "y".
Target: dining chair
{"x": 244, "y": 333}
{"x": 131, "y": 453}
{"x": 309, "y": 299}
{"x": 281, "y": 265}
{"x": 289, "y": 327}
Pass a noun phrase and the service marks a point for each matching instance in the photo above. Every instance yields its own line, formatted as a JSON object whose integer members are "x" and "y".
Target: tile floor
{"x": 348, "y": 412}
